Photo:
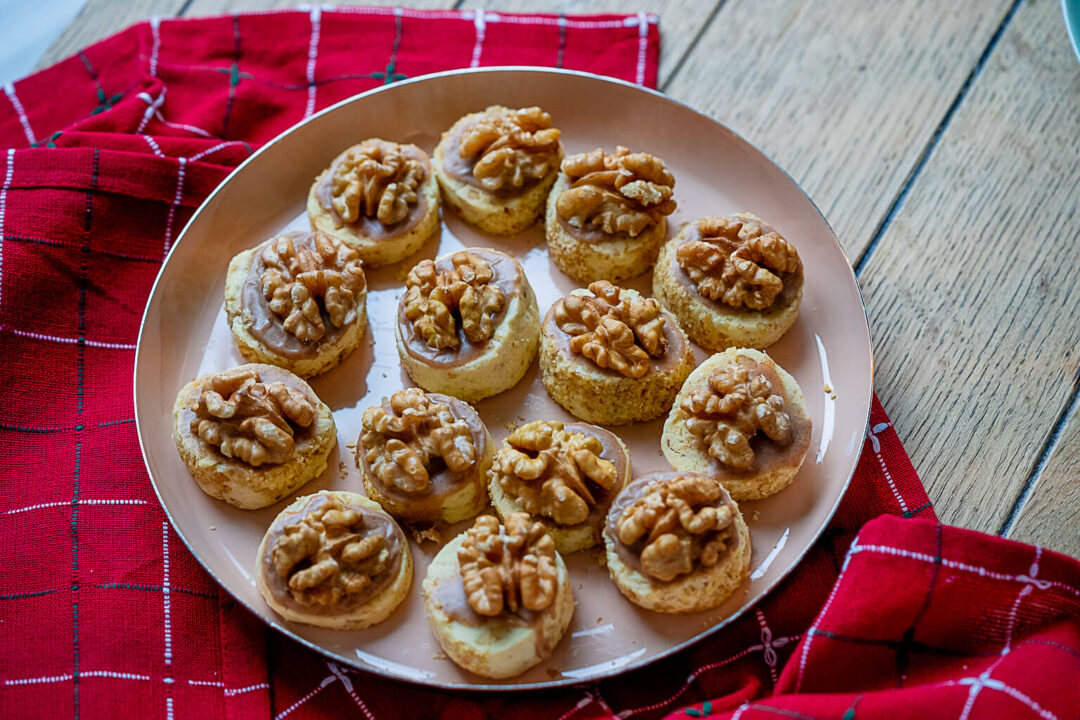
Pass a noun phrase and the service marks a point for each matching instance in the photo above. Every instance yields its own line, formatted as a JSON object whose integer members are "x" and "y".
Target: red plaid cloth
{"x": 103, "y": 612}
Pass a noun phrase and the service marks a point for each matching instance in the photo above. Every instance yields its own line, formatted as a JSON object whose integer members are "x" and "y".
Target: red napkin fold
{"x": 104, "y": 612}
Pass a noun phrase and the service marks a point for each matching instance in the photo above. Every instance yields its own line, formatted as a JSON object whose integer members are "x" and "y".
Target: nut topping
{"x": 546, "y": 467}
{"x": 328, "y": 554}
{"x": 738, "y": 262}
{"x": 512, "y": 147}
{"x": 436, "y": 300}
{"x": 505, "y": 569}
{"x": 678, "y": 522}
{"x": 375, "y": 179}
{"x": 249, "y": 420}
{"x": 296, "y": 277}
{"x": 614, "y": 328}
{"x": 400, "y": 445}
{"x": 740, "y": 399}
{"x": 624, "y": 192}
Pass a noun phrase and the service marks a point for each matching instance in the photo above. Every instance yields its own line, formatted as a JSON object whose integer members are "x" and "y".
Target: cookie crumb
{"x": 428, "y": 533}
{"x": 828, "y": 388}
{"x": 755, "y": 516}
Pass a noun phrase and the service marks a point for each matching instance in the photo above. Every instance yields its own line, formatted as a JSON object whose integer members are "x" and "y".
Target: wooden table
{"x": 942, "y": 141}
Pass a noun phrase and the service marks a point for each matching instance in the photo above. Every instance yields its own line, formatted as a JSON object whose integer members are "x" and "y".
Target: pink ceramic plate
{"x": 184, "y": 334}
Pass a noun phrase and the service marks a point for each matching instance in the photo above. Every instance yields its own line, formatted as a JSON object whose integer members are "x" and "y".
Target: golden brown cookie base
{"x": 687, "y": 453}
{"x": 467, "y": 500}
{"x": 324, "y": 356}
{"x": 370, "y": 613}
{"x": 615, "y": 259}
{"x": 702, "y": 589}
{"x": 713, "y": 325}
{"x": 496, "y": 648}
{"x": 233, "y": 480}
{"x": 568, "y": 539}
{"x": 490, "y": 212}
{"x": 379, "y": 252}
{"x": 605, "y": 397}
{"x": 505, "y": 360}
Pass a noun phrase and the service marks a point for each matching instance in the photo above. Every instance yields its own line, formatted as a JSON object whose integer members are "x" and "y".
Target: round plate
{"x": 184, "y": 334}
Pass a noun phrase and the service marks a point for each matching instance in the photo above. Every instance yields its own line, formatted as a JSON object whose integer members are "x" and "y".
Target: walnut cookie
{"x": 253, "y": 434}
{"x": 612, "y": 357}
{"x": 298, "y": 301}
{"x": 607, "y": 214}
{"x": 742, "y": 418}
{"x": 564, "y": 476}
{"x": 499, "y": 599}
{"x": 425, "y": 457}
{"x": 379, "y": 198}
{"x": 676, "y": 543}
{"x": 730, "y": 281}
{"x": 496, "y": 167}
{"x": 334, "y": 559}
{"x": 467, "y": 324}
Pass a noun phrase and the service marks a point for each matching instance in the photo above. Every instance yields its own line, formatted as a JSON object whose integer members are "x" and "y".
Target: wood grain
{"x": 972, "y": 293}
{"x": 1051, "y": 515}
{"x": 681, "y": 21}
{"x": 842, "y": 95}
{"x": 101, "y": 18}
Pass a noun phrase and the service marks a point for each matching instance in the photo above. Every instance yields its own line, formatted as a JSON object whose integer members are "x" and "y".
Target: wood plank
{"x": 99, "y": 19}
{"x": 1051, "y": 515}
{"x": 843, "y": 94}
{"x": 218, "y": 7}
{"x": 972, "y": 293}
{"x": 680, "y": 20}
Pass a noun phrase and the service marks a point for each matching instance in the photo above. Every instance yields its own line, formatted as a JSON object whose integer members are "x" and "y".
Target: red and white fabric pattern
{"x": 104, "y": 612}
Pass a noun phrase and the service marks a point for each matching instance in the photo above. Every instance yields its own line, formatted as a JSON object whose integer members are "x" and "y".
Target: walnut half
{"x": 512, "y": 147}
{"x": 329, "y": 554}
{"x": 304, "y": 281}
{"x": 399, "y": 445}
{"x": 678, "y": 522}
{"x": 375, "y": 179}
{"x": 249, "y": 420}
{"x": 505, "y": 569}
{"x": 437, "y": 300}
{"x": 740, "y": 399}
{"x": 738, "y": 262}
{"x": 549, "y": 469}
{"x": 623, "y": 192}
{"x": 613, "y": 328}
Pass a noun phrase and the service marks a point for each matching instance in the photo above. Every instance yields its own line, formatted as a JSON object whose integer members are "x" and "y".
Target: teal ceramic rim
{"x": 1071, "y": 10}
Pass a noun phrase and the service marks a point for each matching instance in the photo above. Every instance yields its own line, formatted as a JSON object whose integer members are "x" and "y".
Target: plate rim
{"x": 1070, "y": 9}
{"x": 486, "y": 687}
